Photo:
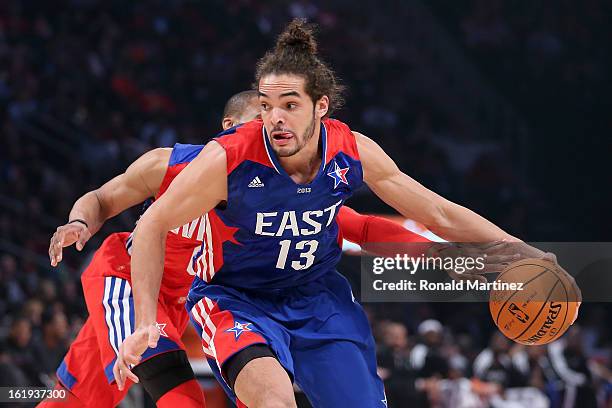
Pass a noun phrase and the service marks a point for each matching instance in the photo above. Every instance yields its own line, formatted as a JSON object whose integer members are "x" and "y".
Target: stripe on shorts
{"x": 128, "y": 243}
{"x": 118, "y": 310}
{"x": 201, "y": 313}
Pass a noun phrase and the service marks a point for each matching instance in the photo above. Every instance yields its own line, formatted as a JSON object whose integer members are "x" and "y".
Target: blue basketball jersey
{"x": 281, "y": 234}
{"x": 270, "y": 278}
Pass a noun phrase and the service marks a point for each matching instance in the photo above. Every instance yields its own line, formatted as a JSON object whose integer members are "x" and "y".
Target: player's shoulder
{"x": 178, "y": 158}
{"x": 245, "y": 133}
{"x": 340, "y": 138}
{"x": 156, "y": 155}
{"x": 150, "y": 164}
{"x": 336, "y": 126}
{"x": 244, "y": 143}
{"x": 183, "y": 153}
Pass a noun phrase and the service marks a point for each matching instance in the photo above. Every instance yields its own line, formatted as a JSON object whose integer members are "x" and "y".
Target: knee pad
{"x": 161, "y": 373}
{"x": 236, "y": 363}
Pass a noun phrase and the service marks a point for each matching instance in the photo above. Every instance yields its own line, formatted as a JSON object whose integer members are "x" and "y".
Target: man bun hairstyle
{"x": 297, "y": 37}
{"x": 295, "y": 53}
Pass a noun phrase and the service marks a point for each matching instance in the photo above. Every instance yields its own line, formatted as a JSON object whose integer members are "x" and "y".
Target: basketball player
{"x": 165, "y": 373}
{"x": 276, "y": 310}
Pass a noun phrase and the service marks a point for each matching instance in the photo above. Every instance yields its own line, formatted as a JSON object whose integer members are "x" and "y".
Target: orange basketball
{"x": 535, "y": 302}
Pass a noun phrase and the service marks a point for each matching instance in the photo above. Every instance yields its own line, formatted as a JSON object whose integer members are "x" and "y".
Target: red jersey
{"x": 180, "y": 242}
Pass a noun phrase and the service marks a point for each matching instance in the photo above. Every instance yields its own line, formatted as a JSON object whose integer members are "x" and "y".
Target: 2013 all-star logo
{"x": 239, "y": 328}
{"x": 339, "y": 175}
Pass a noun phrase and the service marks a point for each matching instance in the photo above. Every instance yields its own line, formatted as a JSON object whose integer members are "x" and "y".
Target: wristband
{"x": 79, "y": 220}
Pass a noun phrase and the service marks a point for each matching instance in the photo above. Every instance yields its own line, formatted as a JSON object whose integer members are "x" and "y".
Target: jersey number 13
{"x": 308, "y": 249}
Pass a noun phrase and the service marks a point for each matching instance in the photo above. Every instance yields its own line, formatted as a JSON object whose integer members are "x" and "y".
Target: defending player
{"x": 276, "y": 310}
{"x": 165, "y": 372}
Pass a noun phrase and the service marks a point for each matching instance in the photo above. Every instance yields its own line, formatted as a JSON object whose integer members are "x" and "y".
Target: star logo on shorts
{"x": 239, "y": 328}
{"x": 339, "y": 175}
{"x": 161, "y": 327}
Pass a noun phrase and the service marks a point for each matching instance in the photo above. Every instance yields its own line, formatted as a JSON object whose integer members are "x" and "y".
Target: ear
{"x": 322, "y": 106}
{"x": 227, "y": 123}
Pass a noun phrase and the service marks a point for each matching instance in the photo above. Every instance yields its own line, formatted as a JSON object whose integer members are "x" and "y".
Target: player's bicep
{"x": 377, "y": 165}
{"x": 140, "y": 181}
{"x": 195, "y": 191}
{"x": 394, "y": 187}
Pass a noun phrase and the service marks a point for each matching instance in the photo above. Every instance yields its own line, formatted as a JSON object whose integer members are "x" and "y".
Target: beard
{"x": 300, "y": 142}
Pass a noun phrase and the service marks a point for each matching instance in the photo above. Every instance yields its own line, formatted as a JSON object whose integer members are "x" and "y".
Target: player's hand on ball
{"x": 66, "y": 235}
{"x": 499, "y": 254}
{"x": 577, "y": 291}
{"x": 577, "y": 298}
{"x": 519, "y": 250}
{"x": 492, "y": 262}
{"x": 131, "y": 350}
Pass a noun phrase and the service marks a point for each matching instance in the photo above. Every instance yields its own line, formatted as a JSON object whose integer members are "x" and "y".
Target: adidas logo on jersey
{"x": 256, "y": 182}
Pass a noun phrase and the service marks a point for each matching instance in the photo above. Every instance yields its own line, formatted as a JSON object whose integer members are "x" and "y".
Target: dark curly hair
{"x": 295, "y": 53}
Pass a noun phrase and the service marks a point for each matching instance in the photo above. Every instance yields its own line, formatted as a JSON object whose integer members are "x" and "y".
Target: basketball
{"x": 539, "y": 307}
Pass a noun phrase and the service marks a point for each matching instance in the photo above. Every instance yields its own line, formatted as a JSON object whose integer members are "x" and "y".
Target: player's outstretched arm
{"x": 195, "y": 191}
{"x": 378, "y": 235}
{"x": 382, "y": 237}
{"x": 445, "y": 218}
{"x": 140, "y": 181}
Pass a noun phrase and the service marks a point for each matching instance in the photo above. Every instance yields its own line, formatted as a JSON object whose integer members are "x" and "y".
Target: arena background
{"x": 502, "y": 106}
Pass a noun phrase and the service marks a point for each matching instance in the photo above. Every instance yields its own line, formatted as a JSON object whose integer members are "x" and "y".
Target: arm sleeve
{"x": 370, "y": 231}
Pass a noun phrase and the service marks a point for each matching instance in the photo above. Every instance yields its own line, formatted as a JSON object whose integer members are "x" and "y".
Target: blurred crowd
{"x": 86, "y": 86}
{"x": 435, "y": 365}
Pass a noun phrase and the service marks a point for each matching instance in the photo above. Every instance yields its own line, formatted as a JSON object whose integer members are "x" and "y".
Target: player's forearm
{"x": 89, "y": 209}
{"x": 446, "y": 219}
{"x": 459, "y": 224}
{"x": 147, "y": 267}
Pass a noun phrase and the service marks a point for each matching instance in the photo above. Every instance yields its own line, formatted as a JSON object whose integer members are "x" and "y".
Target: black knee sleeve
{"x": 161, "y": 373}
{"x": 236, "y": 363}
